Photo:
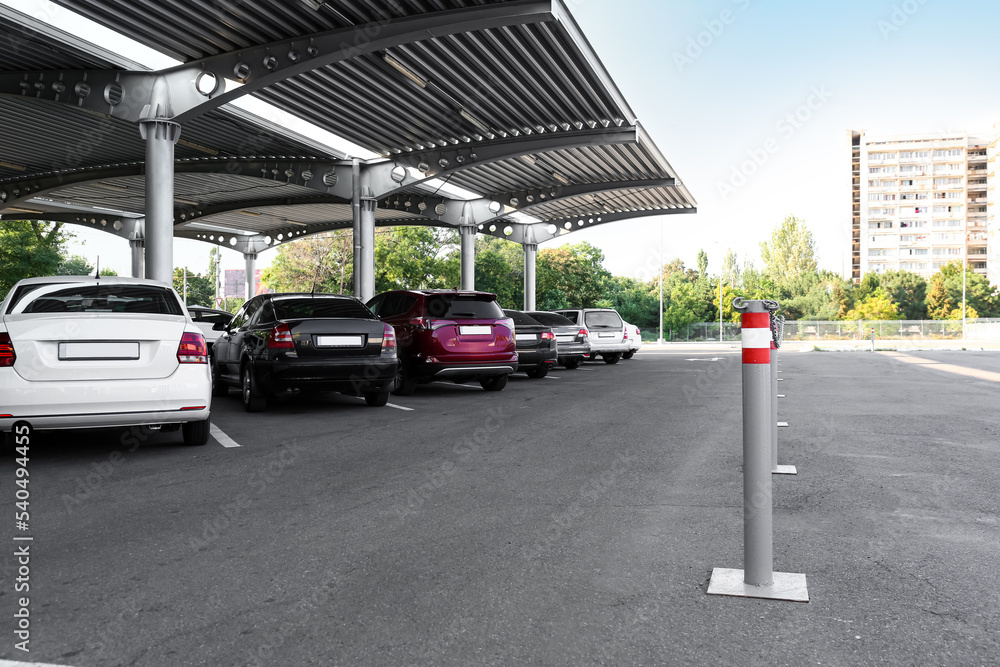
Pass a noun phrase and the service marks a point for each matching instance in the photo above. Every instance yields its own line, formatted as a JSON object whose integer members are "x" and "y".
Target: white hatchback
{"x": 84, "y": 352}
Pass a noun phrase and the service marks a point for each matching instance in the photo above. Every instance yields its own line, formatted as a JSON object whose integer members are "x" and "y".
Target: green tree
{"x": 323, "y": 262}
{"x": 572, "y": 274}
{"x": 75, "y": 265}
{"x": 28, "y": 249}
{"x": 875, "y": 306}
{"x": 702, "y": 264}
{"x": 945, "y": 294}
{"x": 412, "y": 258}
{"x": 683, "y": 308}
{"x": 200, "y": 290}
{"x": 908, "y": 290}
{"x": 790, "y": 252}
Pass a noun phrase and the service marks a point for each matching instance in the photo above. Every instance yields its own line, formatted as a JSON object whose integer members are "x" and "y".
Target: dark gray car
{"x": 573, "y": 340}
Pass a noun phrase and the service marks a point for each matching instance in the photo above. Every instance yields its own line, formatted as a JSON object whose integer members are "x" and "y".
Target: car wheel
{"x": 494, "y": 382}
{"x": 538, "y": 373}
{"x": 628, "y": 355}
{"x": 405, "y": 384}
{"x": 377, "y": 399}
{"x": 571, "y": 363}
{"x": 219, "y": 386}
{"x": 196, "y": 433}
{"x": 612, "y": 358}
{"x": 253, "y": 399}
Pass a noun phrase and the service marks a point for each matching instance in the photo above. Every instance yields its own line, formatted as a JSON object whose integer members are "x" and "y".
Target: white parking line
{"x": 552, "y": 377}
{"x": 388, "y": 405}
{"x": 221, "y": 437}
{"x": 782, "y": 423}
{"x": 14, "y": 663}
{"x": 581, "y": 368}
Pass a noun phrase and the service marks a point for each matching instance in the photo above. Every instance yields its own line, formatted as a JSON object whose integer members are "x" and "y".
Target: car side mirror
{"x": 220, "y": 326}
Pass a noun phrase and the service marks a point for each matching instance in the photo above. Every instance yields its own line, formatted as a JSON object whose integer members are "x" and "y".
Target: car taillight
{"x": 548, "y": 335}
{"x": 389, "y": 341}
{"x": 584, "y": 333}
{"x": 509, "y": 323}
{"x": 419, "y": 322}
{"x": 7, "y": 356}
{"x": 280, "y": 338}
{"x": 625, "y": 337}
{"x": 192, "y": 349}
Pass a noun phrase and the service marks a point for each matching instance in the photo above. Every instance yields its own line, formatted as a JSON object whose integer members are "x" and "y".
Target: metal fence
{"x": 986, "y": 329}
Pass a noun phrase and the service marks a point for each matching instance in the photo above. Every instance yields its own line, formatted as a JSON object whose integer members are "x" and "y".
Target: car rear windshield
{"x": 310, "y": 307}
{"x": 603, "y": 318}
{"x": 552, "y": 319}
{"x": 107, "y": 298}
{"x": 459, "y": 307}
{"x": 521, "y": 318}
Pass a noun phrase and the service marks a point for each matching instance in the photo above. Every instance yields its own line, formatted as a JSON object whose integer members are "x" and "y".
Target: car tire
{"x": 628, "y": 355}
{"x": 404, "y": 384}
{"x": 253, "y": 399}
{"x": 572, "y": 364}
{"x": 196, "y": 433}
{"x": 538, "y": 373}
{"x": 377, "y": 399}
{"x": 494, "y": 382}
{"x": 219, "y": 386}
{"x": 612, "y": 358}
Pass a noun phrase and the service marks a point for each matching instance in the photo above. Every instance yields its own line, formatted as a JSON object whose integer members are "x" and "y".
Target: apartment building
{"x": 919, "y": 202}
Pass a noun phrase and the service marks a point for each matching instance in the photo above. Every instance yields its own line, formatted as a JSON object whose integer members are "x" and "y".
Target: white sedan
{"x": 84, "y": 352}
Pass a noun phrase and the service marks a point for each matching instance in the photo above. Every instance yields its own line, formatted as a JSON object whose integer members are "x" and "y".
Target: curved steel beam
{"x": 127, "y": 94}
{"x": 539, "y": 232}
{"x": 440, "y": 162}
{"x": 457, "y": 212}
{"x": 126, "y": 227}
{"x": 332, "y": 178}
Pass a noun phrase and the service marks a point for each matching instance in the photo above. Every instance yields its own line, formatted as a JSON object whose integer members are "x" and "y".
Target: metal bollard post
{"x": 757, "y": 578}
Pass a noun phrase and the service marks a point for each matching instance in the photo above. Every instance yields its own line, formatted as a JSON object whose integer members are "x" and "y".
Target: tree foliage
{"x": 29, "y": 249}
{"x": 790, "y": 253}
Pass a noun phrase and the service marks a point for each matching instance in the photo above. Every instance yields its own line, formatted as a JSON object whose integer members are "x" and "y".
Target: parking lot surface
{"x": 568, "y": 520}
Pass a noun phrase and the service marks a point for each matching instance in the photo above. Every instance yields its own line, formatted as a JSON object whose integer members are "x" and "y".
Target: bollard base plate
{"x": 786, "y": 586}
{"x": 784, "y": 470}
{"x": 782, "y": 423}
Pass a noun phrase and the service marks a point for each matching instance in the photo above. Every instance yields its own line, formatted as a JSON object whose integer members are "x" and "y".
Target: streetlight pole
{"x": 721, "y": 272}
{"x": 965, "y": 272}
{"x": 660, "y": 340}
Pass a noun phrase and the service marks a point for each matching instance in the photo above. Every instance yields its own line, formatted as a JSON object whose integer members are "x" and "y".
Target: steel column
{"x": 467, "y": 233}
{"x": 137, "y": 257}
{"x": 530, "y": 249}
{"x": 356, "y": 228}
{"x": 368, "y": 205}
{"x": 160, "y": 134}
{"x": 250, "y": 278}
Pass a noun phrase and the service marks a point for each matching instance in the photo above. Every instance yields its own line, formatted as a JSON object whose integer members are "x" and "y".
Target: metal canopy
{"x": 504, "y": 98}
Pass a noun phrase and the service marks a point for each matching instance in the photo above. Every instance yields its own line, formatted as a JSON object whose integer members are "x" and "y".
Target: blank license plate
{"x": 339, "y": 341}
{"x": 471, "y": 330}
{"x": 524, "y": 337}
{"x": 83, "y": 351}
{"x": 605, "y": 335}
{"x": 565, "y": 339}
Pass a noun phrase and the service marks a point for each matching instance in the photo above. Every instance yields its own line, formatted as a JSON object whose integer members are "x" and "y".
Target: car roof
{"x": 431, "y": 292}
{"x": 126, "y": 280}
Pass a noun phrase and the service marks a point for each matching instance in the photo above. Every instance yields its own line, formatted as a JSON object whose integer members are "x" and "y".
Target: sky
{"x": 751, "y": 101}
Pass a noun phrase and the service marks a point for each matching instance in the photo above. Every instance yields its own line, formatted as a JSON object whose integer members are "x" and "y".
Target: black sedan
{"x": 536, "y": 345}
{"x": 310, "y": 342}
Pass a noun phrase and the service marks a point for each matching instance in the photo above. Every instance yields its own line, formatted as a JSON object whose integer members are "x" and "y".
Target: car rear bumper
{"x": 528, "y": 359}
{"x": 610, "y": 347}
{"x": 184, "y": 396}
{"x": 441, "y": 370}
{"x": 344, "y": 374}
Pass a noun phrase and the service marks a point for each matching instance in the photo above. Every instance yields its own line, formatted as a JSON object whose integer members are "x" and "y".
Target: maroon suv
{"x": 448, "y": 335}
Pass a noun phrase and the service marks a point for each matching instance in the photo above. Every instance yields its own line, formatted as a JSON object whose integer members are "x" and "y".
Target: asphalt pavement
{"x": 569, "y": 520}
